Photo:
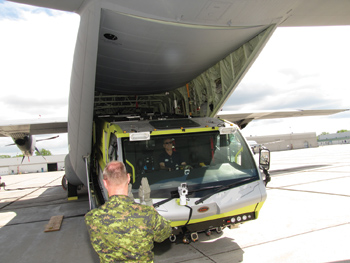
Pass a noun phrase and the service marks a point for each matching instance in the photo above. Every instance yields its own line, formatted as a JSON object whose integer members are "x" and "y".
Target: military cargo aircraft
{"x": 147, "y": 70}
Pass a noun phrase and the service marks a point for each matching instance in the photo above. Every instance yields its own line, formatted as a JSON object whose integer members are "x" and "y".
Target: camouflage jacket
{"x": 124, "y": 231}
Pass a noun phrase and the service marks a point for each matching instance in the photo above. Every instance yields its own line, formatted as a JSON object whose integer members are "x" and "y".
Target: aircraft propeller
{"x": 54, "y": 137}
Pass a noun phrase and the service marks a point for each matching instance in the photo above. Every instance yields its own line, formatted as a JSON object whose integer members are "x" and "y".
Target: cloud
{"x": 36, "y": 60}
{"x": 15, "y": 11}
{"x": 36, "y": 51}
{"x": 298, "y": 63}
{"x": 300, "y": 68}
{"x": 27, "y": 107}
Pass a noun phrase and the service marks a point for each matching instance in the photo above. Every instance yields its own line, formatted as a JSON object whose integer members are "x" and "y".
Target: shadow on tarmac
{"x": 52, "y": 201}
{"x": 296, "y": 169}
{"x": 24, "y": 212}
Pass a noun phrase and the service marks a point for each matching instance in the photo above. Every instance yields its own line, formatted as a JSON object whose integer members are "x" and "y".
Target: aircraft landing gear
{"x": 71, "y": 189}
{"x": 72, "y": 192}
{"x": 64, "y": 183}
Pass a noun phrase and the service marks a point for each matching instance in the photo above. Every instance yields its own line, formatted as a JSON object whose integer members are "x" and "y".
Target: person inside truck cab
{"x": 170, "y": 159}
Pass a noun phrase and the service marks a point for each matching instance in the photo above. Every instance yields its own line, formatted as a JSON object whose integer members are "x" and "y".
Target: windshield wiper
{"x": 175, "y": 194}
{"x": 225, "y": 187}
{"x": 218, "y": 188}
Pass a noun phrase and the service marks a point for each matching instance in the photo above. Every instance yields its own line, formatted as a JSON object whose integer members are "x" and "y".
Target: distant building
{"x": 36, "y": 164}
{"x": 282, "y": 142}
{"x": 334, "y": 138}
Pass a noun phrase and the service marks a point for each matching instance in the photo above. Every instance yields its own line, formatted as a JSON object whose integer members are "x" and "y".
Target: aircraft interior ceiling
{"x": 144, "y": 56}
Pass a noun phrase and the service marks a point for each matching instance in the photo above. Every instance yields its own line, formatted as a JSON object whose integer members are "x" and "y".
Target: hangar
{"x": 35, "y": 164}
{"x": 282, "y": 142}
{"x": 334, "y": 138}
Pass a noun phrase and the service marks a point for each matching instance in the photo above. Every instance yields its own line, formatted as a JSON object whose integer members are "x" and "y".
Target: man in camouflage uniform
{"x": 122, "y": 230}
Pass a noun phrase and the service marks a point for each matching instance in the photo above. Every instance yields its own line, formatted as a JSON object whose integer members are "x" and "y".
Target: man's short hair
{"x": 115, "y": 172}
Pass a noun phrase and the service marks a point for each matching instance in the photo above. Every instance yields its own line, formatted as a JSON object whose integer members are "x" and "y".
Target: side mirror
{"x": 264, "y": 159}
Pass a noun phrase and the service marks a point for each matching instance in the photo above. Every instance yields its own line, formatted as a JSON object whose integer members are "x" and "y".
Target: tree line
{"x": 43, "y": 151}
{"x": 340, "y": 131}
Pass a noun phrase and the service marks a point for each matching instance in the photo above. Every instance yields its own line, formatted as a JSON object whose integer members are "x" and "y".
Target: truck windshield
{"x": 202, "y": 160}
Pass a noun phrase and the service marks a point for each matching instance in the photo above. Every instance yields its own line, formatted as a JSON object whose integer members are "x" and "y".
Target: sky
{"x": 299, "y": 68}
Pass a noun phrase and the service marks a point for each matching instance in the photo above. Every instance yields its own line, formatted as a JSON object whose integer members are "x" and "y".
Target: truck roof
{"x": 150, "y": 125}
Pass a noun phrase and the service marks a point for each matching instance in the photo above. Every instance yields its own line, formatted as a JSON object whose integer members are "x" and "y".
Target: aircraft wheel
{"x": 64, "y": 183}
{"x": 208, "y": 232}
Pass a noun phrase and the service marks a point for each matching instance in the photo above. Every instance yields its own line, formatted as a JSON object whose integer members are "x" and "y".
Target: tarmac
{"x": 306, "y": 218}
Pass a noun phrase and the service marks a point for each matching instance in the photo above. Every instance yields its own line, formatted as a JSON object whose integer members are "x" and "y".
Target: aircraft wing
{"x": 34, "y": 127}
{"x": 242, "y": 119}
{"x": 293, "y": 13}
{"x": 64, "y": 5}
